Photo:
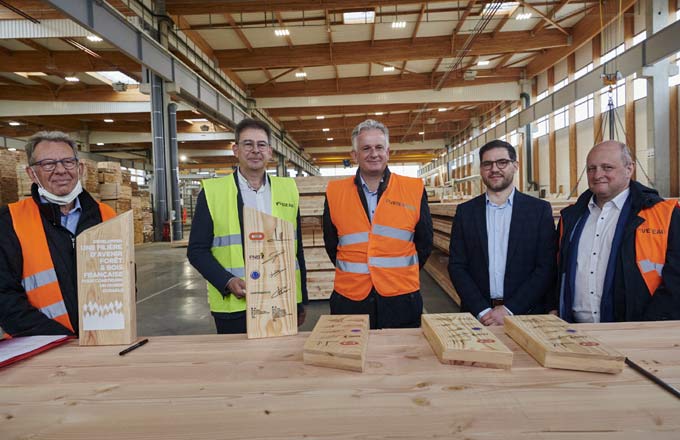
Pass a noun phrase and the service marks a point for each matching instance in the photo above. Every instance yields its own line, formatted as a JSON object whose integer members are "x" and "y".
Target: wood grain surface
{"x": 555, "y": 343}
{"x": 226, "y": 386}
{"x": 271, "y": 289}
{"x": 338, "y": 341}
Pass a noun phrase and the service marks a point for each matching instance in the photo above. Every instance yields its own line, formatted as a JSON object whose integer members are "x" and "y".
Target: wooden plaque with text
{"x": 459, "y": 339}
{"x": 106, "y": 283}
{"x": 271, "y": 299}
{"x": 555, "y": 343}
{"x": 338, "y": 341}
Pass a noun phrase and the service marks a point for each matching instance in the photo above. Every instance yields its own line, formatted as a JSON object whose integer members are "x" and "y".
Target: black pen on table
{"x": 133, "y": 347}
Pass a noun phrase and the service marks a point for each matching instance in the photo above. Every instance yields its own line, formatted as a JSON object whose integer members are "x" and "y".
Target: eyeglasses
{"x": 250, "y": 145}
{"x": 501, "y": 164}
{"x": 50, "y": 164}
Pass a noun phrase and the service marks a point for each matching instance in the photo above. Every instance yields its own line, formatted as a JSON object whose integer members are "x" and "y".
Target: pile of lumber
{"x": 8, "y": 176}
{"x": 142, "y": 214}
{"x": 90, "y": 178}
{"x": 320, "y": 270}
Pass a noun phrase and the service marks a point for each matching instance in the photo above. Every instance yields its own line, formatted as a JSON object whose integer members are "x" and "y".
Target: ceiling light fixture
{"x": 398, "y": 24}
{"x": 100, "y": 143}
{"x": 329, "y": 139}
{"x": 300, "y": 74}
{"x": 108, "y": 121}
{"x": 378, "y": 113}
{"x": 325, "y": 129}
{"x": 183, "y": 158}
{"x": 14, "y": 123}
{"x": 281, "y": 32}
{"x": 71, "y": 79}
{"x": 523, "y": 16}
{"x": 421, "y": 133}
{"x": 320, "y": 117}
{"x": 442, "y": 109}
{"x": 484, "y": 63}
{"x": 94, "y": 38}
{"x": 11, "y": 149}
{"x": 388, "y": 69}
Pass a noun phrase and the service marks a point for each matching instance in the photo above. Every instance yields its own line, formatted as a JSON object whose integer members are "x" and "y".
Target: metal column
{"x": 160, "y": 209}
{"x": 658, "y": 103}
{"x": 177, "y": 232}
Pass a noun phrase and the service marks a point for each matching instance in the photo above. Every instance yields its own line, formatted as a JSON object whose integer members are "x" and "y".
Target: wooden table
{"x": 218, "y": 386}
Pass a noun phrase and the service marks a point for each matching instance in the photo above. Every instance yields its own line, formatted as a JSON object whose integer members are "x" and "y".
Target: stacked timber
{"x": 320, "y": 270}
{"x": 90, "y": 177}
{"x": 142, "y": 215}
{"x": 114, "y": 188}
{"x": 23, "y": 181}
{"x": 8, "y": 176}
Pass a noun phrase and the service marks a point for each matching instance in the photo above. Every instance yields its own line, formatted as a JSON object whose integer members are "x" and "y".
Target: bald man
{"x": 619, "y": 254}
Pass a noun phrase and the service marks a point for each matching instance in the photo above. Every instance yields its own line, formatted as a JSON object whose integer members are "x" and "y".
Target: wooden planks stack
{"x": 8, "y": 176}
{"x": 320, "y": 270}
{"x": 459, "y": 339}
{"x": 555, "y": 343}
{"x": 114, "y": 188}
{"x": 338, "y": 341}
{"x": 90, "y": 178}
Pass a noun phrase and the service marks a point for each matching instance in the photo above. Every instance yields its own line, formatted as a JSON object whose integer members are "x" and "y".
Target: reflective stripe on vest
{"x": 221, "y": 195}
{"x": 381, "y": 255}
{"x": 39, "y": 277}
{"x": 651, "y": 242}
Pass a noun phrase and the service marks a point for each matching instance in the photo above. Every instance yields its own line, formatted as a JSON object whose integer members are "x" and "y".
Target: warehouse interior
{"x": 152, "y": 91}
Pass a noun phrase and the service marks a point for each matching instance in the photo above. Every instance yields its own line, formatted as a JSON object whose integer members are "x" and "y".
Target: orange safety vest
{"x": 651, "y": 242}
{"x": 381, "y": 255}
{"x": 39, "y": 278}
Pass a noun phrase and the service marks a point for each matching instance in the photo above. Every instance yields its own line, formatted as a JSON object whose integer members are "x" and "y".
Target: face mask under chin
{"x": 60, "y": 200}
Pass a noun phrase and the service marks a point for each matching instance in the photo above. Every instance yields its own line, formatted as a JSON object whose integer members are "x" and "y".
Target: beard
{"x": 498, "y": 185}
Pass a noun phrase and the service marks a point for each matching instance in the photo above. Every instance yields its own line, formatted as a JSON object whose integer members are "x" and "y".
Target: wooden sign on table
{"x": 554, "y": 343}
{"x": 270, "y": 275}
{"x": 106, "y": 283}
{"x": 338, "y": 341}
{"x": 459, "y": 339}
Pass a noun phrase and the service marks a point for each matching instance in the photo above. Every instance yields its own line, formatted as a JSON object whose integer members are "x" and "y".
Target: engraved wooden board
{"x": 106, "y": 283}
{"x": 338, "y": 341}
{"x": 270, "y": 275}
{"x": 459, "y": 339}
{"x": 555, "y": 343}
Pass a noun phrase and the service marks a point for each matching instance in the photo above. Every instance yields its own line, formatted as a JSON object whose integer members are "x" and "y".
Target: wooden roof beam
{"x": 461, "y": 22}
{"x": 357, "y": 52}
{"x": 545, "y": 17}
{"x": 327, "y": 110}
{"x": 418, "y": 22}
{"x": 582, "y": 32}
{"x": 271, "y": 80}
{"x": 239, "y": 33}
{"x": 279, "y": 19}
{"x": 540, "y": 26}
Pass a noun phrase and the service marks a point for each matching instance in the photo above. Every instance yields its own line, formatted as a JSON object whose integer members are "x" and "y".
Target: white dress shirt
{"x": 259, "y": 199}
{"x": 594, "y": 248}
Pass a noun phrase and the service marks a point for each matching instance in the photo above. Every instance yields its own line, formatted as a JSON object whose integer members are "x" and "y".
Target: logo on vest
{"x": 400, "y": 204}
{"x": 254, "y": 275}
{"x": 653, "y": 231}
{"x": 256, "y": 235}
{"x": 286, "y": 204}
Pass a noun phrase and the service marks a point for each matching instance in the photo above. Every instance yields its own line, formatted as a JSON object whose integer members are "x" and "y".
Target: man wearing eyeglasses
{"x": 38, "y": 285}
{"x": 216, "y": 240}
{"x": 619, "y": 246}
{"x": 377, "y": 231}
{"x": 502, "y": 249}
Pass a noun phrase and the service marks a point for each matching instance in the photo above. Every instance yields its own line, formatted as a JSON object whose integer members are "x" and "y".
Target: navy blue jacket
{"x": 530, "y": 263}
{"x": 631, "y": 298}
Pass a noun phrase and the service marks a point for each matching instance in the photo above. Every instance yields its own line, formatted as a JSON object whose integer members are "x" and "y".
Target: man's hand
{"x": 495, "y": 316}
{"x": 237, "y": 286}
{"x": 302, "y": 314}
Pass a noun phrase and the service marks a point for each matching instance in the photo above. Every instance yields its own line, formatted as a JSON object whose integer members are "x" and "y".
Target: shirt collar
{"x": 507, "y": 202}
{"x": 618, "y": 201}
{"x": 76, "y": 204}
{"x": 365, "y": 187}
{"x": 245, "y": 182}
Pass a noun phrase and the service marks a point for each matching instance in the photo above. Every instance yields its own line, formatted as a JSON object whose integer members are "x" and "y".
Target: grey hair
{"x": 370, "y": 124}
{"x": 54, "y": 136}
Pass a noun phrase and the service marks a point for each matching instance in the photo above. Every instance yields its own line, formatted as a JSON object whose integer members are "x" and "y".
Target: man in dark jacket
{"x": 619, "y": 254}
{"x": 38, "y": 276}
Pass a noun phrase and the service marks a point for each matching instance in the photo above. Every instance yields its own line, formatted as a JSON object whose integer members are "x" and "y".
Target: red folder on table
{"x": 16, "y": 349}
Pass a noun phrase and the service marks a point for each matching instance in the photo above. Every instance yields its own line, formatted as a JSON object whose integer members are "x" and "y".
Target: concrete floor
{"x": 172, "y": 298}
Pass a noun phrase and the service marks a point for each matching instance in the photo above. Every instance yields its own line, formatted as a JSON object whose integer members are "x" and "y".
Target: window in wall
{"x": 541, "y": 126}
{"x": 583, "y": 71}
{"x": 675, "y": 79}
{"x": 561, "y": 117}
{"x": 560, "y": 84}
{"x": 514, "y": 112}
{"x": 541, "y": 95}
{"x": 612, "y": 53}
{"x": 642, "y": 36}
{"x": 583, "y": 108}
{"x": 639, "y": 87}
{"x": 514, "y": 137}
